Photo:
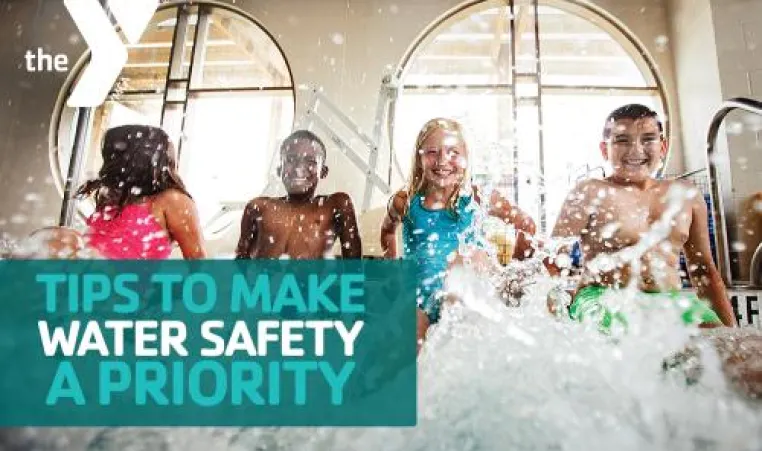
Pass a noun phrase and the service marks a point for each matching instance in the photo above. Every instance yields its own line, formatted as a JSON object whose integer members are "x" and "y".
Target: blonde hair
{"x": 415, "y": 181}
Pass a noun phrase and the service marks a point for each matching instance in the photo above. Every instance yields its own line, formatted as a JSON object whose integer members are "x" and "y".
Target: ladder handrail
{"x": 755, "y": 269}
{"x": 723, "y": 254}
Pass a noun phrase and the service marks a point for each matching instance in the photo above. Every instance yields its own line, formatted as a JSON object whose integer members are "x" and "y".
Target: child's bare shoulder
{"x": 690, "y": 190}
{"x": 584, "y": 189}
{"x": 399, "y": 202}
{"x": 170, "y": 193}
{"x": 593, "y": 183}
{"x": 256, "y": 203}
{"x": 260, "y": 204}
{"x": 338, "y": 199}
{"x": 171, "y": 197}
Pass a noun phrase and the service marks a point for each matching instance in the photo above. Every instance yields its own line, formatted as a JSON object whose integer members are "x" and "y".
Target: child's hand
{"x": 478, "y": 260}
{"x": 559, "y": 300}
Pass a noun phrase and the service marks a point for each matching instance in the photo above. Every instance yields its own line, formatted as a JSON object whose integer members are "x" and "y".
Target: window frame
{"x": 55, "y": 144}
{"x": 597, "y": 16}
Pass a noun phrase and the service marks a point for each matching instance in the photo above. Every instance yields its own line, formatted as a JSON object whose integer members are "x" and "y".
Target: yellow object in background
{"x": 504, "y": 242}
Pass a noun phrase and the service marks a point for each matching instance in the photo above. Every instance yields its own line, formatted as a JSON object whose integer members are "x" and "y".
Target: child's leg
{"x": 478, "y": 259}
{"x": 52, "y": 243}
{"x": 422, "y": 326}
{"x": 66, "y": 243}
{"x": 746, "y": 374}
{"x": 741, "y": 356}
{"x": 429, "y": 310}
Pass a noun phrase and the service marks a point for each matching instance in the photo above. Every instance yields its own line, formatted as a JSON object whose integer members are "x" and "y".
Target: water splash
{"x": 499, "y": 377}
{"x": 494, "y": 377}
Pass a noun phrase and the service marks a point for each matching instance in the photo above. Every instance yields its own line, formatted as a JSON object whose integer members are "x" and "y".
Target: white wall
{"x": 648, "y": 21}
{"x": 28, "y": 198}
{"x": 738, "y": 33}
{"x": 718, "y": 55}
{"x": 696, "y": 74}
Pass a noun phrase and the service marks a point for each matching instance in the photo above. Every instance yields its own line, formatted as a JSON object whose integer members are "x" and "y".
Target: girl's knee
{"x": 422, "y": 326}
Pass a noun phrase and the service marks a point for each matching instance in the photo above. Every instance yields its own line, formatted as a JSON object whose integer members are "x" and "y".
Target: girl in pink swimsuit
{"x": 141, "y": 203}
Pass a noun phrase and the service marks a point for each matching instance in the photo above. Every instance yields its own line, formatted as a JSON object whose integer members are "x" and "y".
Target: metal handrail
{"x": 755, "y": 271}
{"x": 723, "y": 254}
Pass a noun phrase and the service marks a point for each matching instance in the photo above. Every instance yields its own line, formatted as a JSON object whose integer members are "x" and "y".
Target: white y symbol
{"x": 109, "y": 54}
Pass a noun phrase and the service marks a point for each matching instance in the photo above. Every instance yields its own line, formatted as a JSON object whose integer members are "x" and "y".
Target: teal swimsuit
{"x": 430, "y": 237}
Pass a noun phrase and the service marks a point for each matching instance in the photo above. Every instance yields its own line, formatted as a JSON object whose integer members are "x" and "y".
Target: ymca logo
{"x": 108, "y": 53}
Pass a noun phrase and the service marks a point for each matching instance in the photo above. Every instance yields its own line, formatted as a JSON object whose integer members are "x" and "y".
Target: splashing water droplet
{"x": 608, "y": 231}
{"x": 661, "y": 43}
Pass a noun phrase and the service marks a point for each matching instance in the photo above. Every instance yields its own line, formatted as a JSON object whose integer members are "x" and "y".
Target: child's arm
{"x": 524, "y": 224}
{"x": 248, "y": 230}
{"x": 572, "y": 220}
{"x": 394, "y": 212}
{"x": 184, "y": 225}
{"x": 750, "y": 220}
{"x": 345, "y": 226}
{"x": 703, "y": 273}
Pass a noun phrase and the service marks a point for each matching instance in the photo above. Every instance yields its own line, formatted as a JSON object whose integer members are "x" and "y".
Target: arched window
{"x": 217, "y": 82}
{"x": 533, "y": 84}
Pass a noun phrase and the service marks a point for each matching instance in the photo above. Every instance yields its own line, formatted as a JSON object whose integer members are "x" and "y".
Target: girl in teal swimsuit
{"x": 438, "y": 210}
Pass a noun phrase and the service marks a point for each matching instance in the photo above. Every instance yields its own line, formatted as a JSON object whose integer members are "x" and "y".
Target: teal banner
{"x": 207, "y": 343}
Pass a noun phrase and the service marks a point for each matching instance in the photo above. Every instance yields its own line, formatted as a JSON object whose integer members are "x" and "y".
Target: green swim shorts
{"x": 588, "y": 303}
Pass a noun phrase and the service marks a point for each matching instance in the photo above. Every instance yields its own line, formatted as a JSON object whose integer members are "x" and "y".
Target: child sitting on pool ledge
{"x": 300, "y": 225}
{"x": 612, "y": 214}
{"x": 438, "y": 212}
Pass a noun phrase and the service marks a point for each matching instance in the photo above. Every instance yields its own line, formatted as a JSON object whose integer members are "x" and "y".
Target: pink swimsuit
{"x": 133, "y": 234}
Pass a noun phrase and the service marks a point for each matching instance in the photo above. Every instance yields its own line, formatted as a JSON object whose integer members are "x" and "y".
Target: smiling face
{"x": 302, "y": 165}
{"x": 443, "y": 158}
{"x": 635, "y": 148}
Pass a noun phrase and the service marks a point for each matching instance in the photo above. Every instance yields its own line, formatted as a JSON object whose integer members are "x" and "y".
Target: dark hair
{"x": 302, "y": 134}
{"x": 138, "y": 161}
{"x": 632, "y": 111}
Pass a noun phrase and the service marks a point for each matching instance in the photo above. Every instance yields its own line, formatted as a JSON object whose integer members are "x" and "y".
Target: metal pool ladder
{"x": 718, "y": 211}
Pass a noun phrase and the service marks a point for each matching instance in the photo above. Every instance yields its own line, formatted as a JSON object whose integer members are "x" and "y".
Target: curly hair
{"x": 138, "y": 161}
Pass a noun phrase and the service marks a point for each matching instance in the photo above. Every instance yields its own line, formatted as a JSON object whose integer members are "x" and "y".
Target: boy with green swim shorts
{"x": 633, "y": 225}
{"x": 588, "y": 304}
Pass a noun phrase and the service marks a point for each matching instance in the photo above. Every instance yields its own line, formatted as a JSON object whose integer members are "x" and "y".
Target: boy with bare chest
{"x": 620, "y": 216}
{"x": 632, "y": 226}
{"x": 300, "y": 225}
